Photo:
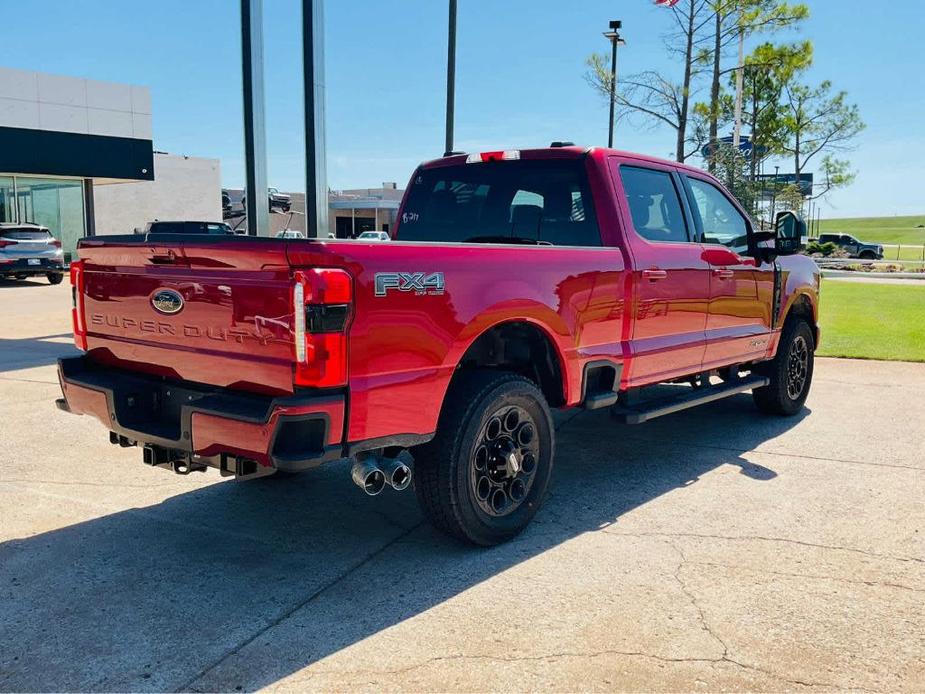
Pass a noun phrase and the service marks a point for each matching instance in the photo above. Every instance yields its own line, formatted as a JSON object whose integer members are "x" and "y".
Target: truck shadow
{"x": 235, "y": 586}
{"x": 30, "y": 352}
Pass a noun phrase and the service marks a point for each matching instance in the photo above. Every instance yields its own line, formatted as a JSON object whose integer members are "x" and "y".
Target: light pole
{"x": 450, "y": 78}
{"x": 615, "y": 40}
{"x": 774, "y": 195}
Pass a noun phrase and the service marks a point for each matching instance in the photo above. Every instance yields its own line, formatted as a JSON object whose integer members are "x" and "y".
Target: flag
{"x": 666, "y": 3}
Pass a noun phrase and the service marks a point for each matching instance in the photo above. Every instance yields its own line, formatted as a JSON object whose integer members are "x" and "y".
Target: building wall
{"x": 40, "y": 101}
{"x": 187, "y": 188}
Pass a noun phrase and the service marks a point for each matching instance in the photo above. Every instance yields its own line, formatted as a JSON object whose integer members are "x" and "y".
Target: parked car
{"x": 855, "y": 248}
{"x": 374, "y": 236}
{"x": 279, "y": 202}
{"x": 187, "y": 227}
{"x": 290, "y": 234}
{"x": 516, "y": 282}
{"x": 27, "y": 250}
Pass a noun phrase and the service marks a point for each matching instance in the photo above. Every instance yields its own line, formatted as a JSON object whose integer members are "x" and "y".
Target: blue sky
{"x": 519, "y": 80}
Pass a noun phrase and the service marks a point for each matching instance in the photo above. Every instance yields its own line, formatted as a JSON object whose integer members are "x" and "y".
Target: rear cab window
{"x": 523, "y": 201}
{"x": 208, "y": 228}
{"x": 25, "y": 234}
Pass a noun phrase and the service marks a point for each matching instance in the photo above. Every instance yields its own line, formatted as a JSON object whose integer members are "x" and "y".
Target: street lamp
{"x": 774, "y": 195}
{"x": 450, "y": 79}
{"x": 615, "y": 40}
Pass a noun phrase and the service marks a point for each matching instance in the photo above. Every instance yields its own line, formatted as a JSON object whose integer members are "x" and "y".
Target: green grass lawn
{"x": 901, "y": 230}
{"x": 872, "y": 321}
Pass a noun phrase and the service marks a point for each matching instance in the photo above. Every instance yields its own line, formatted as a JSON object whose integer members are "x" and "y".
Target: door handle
{"x": 723, "y": 274}
{"x": 654, "y": 275}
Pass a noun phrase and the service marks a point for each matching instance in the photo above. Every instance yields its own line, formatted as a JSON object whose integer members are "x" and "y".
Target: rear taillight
{"x": 55, "y": 242}
{"x": 321, "y": 302}
{"x": 4, "y": 243}
{"x": 78, "y": 316}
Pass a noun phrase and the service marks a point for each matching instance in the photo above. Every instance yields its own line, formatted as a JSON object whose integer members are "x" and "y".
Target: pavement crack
{"x": 571, "y": 419}
{"x": 693, "y": 599}
{"x": 286, "y": 614}
{"x": 763, "y": 538}
{"x": 73, "y": 483}
{"x": 821, "y": 577}
{"x": 561, "y": 655}
{"x": 742, "y": 451}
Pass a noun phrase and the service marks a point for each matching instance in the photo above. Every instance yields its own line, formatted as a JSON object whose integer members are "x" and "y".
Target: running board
{"x": 697, "y": 396}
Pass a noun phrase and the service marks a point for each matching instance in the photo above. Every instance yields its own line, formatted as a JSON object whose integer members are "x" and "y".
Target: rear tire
{"x": 54, "y": 277}
{"x": 466, "y": 481}
{"x": 791, "y": 372}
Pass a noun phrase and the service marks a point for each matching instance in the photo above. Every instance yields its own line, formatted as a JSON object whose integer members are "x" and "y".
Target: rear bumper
{"x": 21, "y": 266}
{"x": 202, "y": 424}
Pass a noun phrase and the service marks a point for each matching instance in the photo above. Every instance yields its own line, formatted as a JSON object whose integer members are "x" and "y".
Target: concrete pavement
{"x": 712, "y": 549}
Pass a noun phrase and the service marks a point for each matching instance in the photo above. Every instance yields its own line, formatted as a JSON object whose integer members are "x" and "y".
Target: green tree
{"x": 820, "y": 123}
{"x": 768, "y": 71}
{"x": 660, "y": 99}
{"x": 734, "y": 21}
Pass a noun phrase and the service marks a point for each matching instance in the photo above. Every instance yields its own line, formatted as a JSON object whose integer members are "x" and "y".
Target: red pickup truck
{"x": 516, "y": 282}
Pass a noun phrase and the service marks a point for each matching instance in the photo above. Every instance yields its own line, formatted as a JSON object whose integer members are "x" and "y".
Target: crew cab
{"x": 854, "y": 247}
{"x": 517, "y": 281}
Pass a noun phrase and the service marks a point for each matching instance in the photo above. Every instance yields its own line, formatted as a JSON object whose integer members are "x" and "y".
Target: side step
{"x": 700, "y": 396}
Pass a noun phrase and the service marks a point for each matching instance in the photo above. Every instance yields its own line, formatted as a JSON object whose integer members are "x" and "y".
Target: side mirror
{"x": 789, "y": 230}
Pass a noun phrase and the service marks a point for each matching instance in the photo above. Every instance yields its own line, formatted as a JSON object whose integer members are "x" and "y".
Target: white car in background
{"x": 290, "y": 234}
{"x": 27, "y": 250}
{"x": 374, "y": 236}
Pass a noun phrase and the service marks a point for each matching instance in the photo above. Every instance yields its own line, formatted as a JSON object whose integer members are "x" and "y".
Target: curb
{"x": 876, "y": 275}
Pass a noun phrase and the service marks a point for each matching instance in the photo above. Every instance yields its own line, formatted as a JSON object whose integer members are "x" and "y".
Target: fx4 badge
{"x": 418, "y": 282}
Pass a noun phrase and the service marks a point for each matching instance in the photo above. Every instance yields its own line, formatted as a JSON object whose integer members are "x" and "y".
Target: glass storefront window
{"x": 7, "y": 206}
{"x": 57, "y": 203}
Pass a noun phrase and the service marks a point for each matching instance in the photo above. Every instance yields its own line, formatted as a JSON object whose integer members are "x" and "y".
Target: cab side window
{"x": 654, "y": 204}
{"x": 718, "y": 220}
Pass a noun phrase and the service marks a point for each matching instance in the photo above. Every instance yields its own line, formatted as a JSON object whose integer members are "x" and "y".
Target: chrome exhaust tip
{"x": 397, "y": 474}
{"x": 368, "y": 477}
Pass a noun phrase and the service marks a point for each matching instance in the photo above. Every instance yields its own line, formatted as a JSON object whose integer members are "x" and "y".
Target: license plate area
{"x": 34, "y": 261}
{"x": 153, "y": 409}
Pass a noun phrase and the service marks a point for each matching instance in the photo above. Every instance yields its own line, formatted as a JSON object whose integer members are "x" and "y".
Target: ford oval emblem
{"x": 167, "y": 301}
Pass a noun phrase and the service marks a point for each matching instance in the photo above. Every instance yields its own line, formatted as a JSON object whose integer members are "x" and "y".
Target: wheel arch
{"x": 802, "y": 307}
{"x": 523, "y": 346}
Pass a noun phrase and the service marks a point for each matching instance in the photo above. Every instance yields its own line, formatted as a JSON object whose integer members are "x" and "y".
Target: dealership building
{"x": 76, "y": 155}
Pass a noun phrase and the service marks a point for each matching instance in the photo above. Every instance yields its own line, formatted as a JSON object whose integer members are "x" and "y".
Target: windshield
{"x": 542, "y": 201}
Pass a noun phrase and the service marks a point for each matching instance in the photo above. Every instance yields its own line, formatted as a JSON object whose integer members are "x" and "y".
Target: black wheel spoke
{"x": 504, "y": 461}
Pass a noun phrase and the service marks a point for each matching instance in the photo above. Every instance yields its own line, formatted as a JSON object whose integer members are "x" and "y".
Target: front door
{"x": 671, "y": 279}
{"x": 741, "y": 288}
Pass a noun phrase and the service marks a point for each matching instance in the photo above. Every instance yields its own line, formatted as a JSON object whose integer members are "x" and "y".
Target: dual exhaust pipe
{"x": 372, "y": 473}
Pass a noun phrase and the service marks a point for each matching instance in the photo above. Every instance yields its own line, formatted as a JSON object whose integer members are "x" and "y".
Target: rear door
{"x": 741, "y": 288}
{"x": 216, "y": 313}
{"x": 670, "y": 276}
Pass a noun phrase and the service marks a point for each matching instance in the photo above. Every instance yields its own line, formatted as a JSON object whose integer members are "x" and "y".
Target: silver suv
{"x": 27, "y": 250}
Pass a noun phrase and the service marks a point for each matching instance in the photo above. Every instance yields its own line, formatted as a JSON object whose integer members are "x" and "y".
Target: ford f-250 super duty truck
{"x": 517, "y": 281}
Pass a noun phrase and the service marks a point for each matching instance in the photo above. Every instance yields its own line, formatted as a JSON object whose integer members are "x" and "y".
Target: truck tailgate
{"x": 218, "y": 314}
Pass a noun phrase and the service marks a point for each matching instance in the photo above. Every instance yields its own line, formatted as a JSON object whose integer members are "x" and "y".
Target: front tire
{"x": 54, "y": 277}
{"x": 791, "y": 372}
{"x": 484, "y": 475}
